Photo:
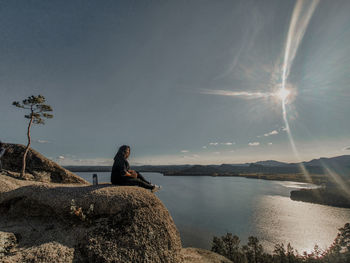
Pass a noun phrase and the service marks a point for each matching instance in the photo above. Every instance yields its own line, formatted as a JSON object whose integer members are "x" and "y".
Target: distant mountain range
{"x": 271, "y": 163}
{"x": 339, "y": 164}
{"x": 343, "y": 160}
{"x": 333, "y": 174}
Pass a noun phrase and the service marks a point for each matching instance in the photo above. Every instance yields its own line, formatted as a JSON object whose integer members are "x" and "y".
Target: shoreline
{"x": 298, "y": 178}
{"x": 328, "y": 195}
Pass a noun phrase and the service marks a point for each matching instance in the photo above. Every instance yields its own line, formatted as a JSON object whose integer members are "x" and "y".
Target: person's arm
{"x": 133, "y": 173}
{"x": 127, "y": 173}
{"x": 123, "y": 169}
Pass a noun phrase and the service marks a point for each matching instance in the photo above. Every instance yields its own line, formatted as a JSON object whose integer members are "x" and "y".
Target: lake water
{"x": 204, "y": 206}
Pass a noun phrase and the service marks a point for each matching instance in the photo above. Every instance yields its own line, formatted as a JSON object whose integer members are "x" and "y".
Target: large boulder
{"x": 38, "y": 167}
{"x": 43, "y": 222}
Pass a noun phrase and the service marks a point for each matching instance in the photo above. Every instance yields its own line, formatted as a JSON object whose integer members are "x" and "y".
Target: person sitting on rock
{"x": 2, "y": 152}
{"x": 123, "y": 175}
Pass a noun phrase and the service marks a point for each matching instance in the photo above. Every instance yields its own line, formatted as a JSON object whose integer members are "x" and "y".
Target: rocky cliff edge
{"x": 38, "y": 167}
{"x": 43, "y": 222}
{"x": 55, "y": 216}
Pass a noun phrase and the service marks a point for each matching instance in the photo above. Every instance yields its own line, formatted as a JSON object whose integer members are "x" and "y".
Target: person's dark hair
{"x": 121, "y": 152}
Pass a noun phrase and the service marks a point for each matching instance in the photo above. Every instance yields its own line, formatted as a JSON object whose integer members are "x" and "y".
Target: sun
{"x": 283, "y": 94}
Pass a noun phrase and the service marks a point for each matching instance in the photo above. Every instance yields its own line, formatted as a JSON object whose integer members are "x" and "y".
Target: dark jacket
{"x": 119, "y": 169}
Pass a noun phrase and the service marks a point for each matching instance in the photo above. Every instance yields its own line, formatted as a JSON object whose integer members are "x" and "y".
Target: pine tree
{"x": 37, "y": 112}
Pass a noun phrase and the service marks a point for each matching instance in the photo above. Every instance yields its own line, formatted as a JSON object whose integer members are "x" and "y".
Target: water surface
{"x": 204, "y": 206}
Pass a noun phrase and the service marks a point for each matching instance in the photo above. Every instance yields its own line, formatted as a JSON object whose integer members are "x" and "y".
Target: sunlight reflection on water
{"x": 204, "y": 206}
{"x": 296, "y": 185}
{"x": 302, "y": 224}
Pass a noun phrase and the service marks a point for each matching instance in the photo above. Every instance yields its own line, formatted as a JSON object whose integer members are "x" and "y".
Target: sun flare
{"x": 283, "y": 94}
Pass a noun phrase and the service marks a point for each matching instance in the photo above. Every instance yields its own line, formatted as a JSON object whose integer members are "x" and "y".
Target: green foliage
{"x": 339, "y": 251}
{"x": 37, "y": 112}
{"x": 343, "y": 238}
{"x": 38, "y": 108}
{"x": 228, "y": 246}
{"x": 253, "y": 252}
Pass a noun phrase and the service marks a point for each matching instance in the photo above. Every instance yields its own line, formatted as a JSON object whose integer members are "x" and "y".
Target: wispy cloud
{"x": 254, "y": 143}
{"x": 227, "y": 143}
{"x": 185, "y": 151}
{"x": 220, "y": 143}
{"x": 204, "y": 147}
{"x": 64, "y": 160}
{"x": 270, "y": 143}
{"x": 242, "y": 94}
{"x": 216, "y": 152}
{"x": 347, "y": 148}
{"x": 274, "y": 132}
{"x": 42, "y": 141}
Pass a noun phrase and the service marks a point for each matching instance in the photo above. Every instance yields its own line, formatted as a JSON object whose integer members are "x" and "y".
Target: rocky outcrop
{"x": 72, "y": 221}
{"x": 38, "y": 167}
{"x": 43, "y": 222}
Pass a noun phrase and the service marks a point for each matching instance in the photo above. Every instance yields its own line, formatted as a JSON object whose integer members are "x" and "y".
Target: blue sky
{"x": 152, "y": 74}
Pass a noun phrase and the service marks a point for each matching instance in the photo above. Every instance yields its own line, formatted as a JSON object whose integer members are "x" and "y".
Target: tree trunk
{"x": 27, "y": 148}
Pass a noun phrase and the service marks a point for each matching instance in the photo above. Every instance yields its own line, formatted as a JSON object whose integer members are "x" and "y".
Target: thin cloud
{"x": 270, "y": 143}
{"x": 64, "y": 160}
{"x": 274, "y": 132}
{"x": 347, "y": 148}
{"x": 216, "y": 152}
{"x": 185, "y": 151}
{"x": 254, "y": 143}
{"x": 227, "y": 143}
{"x": 221, "y": 143}
{"x": 42, "y": 141}
{"x": 204, "y": 147}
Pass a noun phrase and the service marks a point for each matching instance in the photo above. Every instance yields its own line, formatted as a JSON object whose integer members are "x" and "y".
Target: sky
{"x": 181, "y": 82}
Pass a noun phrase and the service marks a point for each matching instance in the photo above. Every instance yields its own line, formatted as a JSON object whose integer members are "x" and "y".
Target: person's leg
{"x": 136, "y": 182}
{"x": 139, "y": 176}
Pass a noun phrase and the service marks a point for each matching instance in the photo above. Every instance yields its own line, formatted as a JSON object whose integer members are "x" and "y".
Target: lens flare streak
{"x": 243, "y": 94}
{"x": 285, "y": 92}
{"x": 301, "y": 16}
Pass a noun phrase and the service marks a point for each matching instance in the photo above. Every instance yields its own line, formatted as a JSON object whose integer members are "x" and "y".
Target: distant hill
{"x": 321, "y": 166}
{"x": 340, "y": 161}
{"x": 197, "y": 170}
{"x": 271, "y": 163}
